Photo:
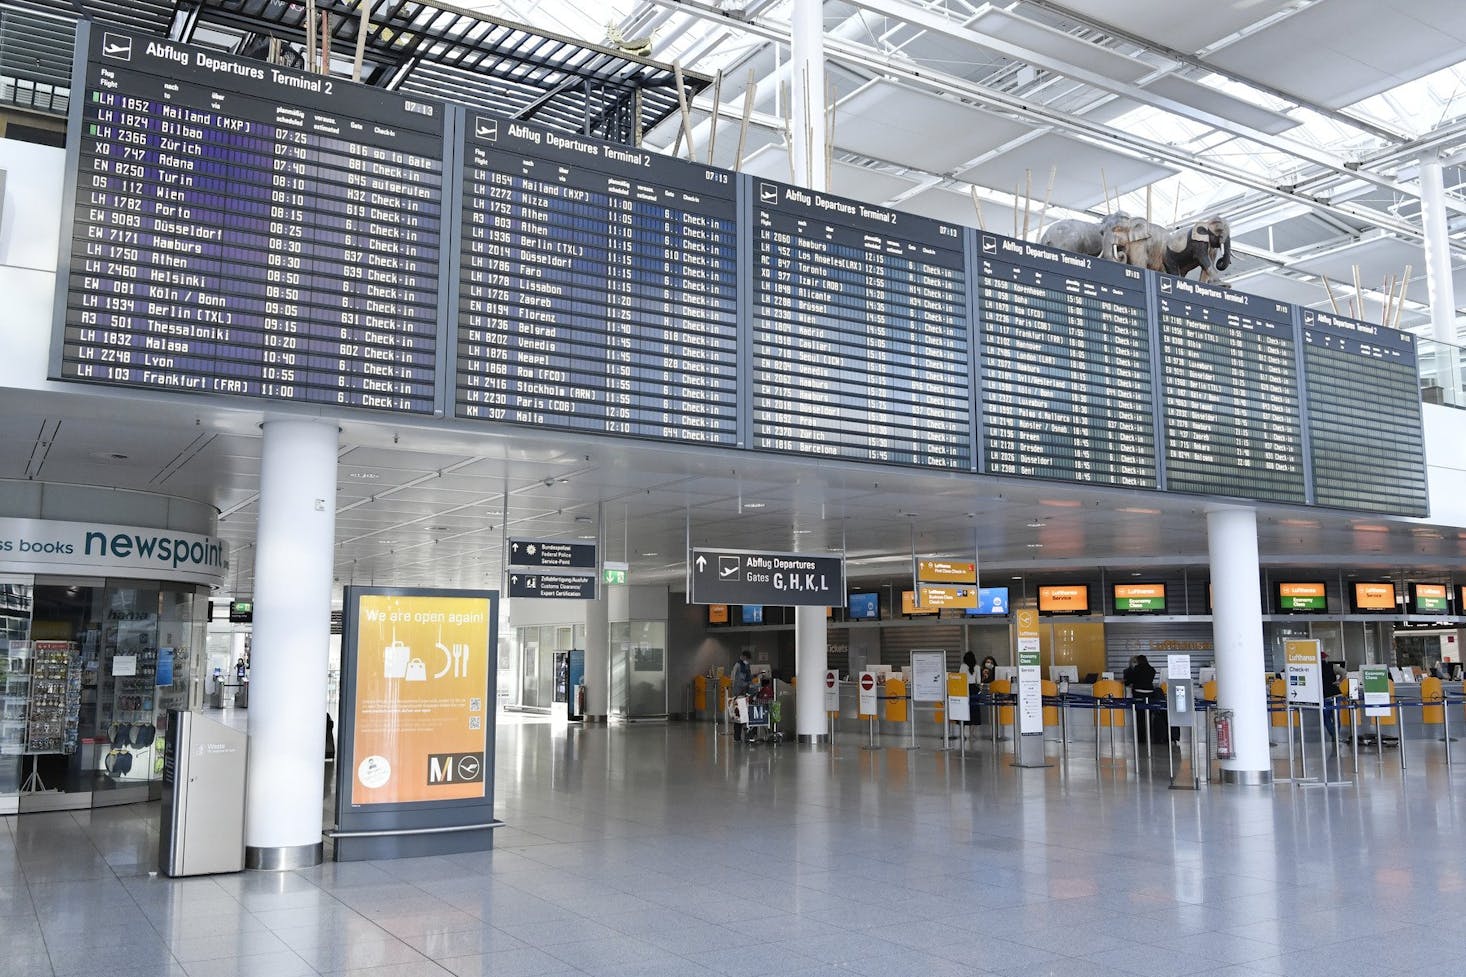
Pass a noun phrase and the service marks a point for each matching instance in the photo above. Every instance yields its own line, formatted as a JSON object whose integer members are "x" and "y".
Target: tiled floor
{"x": 671, "y": 851}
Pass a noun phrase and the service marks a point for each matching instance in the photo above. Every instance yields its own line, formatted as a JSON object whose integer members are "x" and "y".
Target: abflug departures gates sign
{"x": 719, "y": 576}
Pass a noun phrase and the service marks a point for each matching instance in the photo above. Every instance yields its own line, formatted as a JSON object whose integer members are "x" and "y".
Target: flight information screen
{"x": 860, "y": 335}
{"x": 1363, "y": 415}
{"x": 597, "y": 287}
{"x": 245, "y": 229}
{"x": 1230, "y": 383}
{"x": 1065, "y": 372}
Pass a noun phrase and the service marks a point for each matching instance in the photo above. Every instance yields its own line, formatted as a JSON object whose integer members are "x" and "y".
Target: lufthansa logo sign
{"x": 455, "y": 768}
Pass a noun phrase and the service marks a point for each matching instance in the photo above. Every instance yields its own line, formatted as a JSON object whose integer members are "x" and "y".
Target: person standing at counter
{"x": 1140, "y": 677}
{"x": 969, "y": 671}
{"x": 1331, "y": 693}
{"x": 986, "y": 676}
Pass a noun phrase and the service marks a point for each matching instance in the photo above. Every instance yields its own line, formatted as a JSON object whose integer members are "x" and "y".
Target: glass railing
{"x": 1441, "y": 381}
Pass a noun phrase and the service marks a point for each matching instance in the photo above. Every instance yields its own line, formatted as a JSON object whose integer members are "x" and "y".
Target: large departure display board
{"x": 597, "y": 287}
{"x": 245, "y": 229}
{"x": 860, "y": 333}
{"x": 1364, "y": 428}
{"x": 1230, "y": 383}
{"x": 1066, "y": 382}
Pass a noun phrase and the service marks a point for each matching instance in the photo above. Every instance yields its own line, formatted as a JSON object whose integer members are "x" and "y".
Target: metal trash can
{"x": 203, "y": 797}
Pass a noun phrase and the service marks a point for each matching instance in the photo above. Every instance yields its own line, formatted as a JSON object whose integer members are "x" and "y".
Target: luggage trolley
{"x": 763, "y": 712}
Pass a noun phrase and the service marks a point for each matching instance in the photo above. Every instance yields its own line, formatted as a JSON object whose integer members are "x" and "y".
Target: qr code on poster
{"x": 475, "y": 722}
{"x": 475, "y": 705}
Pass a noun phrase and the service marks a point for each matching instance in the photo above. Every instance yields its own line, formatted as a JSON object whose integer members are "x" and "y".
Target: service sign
{"x": 719, "y": 576}
{"x": 423, "y": 702}
{"x": 946, "y": 571}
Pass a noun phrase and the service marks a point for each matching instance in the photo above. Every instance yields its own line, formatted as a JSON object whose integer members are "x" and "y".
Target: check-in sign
{"x": 946, "y": 571}
{"x": 718, "y": 576}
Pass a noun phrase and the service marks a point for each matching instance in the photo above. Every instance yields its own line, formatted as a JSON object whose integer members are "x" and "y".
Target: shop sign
{"x": 97, "y": 549}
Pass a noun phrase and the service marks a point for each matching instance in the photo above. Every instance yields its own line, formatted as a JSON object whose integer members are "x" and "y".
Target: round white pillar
{"x": 1237, "y": 635}
{"x": 289, "y": 656}
{"x": 1433, "y": 220}
{"x": 811, "y": 658}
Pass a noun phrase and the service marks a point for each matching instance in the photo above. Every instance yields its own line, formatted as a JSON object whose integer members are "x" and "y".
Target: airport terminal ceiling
{"x": 1311, "y": 156}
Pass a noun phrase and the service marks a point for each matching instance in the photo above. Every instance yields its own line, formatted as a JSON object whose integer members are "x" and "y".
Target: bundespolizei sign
{"x": 549, "y": 553}
{"x": 717, "y": 576}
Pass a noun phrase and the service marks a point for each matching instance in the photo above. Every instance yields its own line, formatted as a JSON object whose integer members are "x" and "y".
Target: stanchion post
{"x": 1288, "y": 716}
{"x": 1446, "y": 718}
{"x": 1400, "y": 726}
{"x": 1379, "y": 741}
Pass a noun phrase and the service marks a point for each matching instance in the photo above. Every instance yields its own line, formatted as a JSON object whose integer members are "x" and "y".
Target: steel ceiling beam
{"x": 880, "y": 65}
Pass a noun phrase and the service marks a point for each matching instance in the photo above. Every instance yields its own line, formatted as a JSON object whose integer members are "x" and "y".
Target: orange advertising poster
{"x": 717, "y": 613}
{"x": 422, "y": 703}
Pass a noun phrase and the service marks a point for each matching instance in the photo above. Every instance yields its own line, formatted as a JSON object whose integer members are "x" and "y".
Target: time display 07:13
{"x": 225, "y": 244}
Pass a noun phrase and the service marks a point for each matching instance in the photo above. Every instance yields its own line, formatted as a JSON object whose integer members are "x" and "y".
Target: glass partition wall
{"x": 90, "y": 669}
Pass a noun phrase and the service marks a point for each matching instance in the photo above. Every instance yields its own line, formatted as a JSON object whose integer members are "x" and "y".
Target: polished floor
{"x": 670, "y": 850}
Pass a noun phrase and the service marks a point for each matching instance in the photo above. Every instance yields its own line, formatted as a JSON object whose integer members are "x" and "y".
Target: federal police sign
{"x": 718, "y": 576}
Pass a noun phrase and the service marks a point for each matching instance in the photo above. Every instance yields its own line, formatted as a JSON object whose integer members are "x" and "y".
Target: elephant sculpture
{"x": 1080, "y": 236}
{"x": 1204, "y": 244}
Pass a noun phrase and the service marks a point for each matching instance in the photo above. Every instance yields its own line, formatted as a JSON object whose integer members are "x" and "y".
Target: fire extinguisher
{"x": 1224, "y": 734}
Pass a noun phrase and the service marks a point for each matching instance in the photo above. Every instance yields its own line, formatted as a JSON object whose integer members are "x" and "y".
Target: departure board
{"x": 860, "y": 333}
{"x": 1230, "y": 388}
{"x": 597, "y": 287}
{"x": 1360, "y": 383}
{"x": 1067, "y": 391}
{"x": 244, "y": 229}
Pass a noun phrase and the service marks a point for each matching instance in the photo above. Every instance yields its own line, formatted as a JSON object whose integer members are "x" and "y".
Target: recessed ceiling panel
{"x": 1083, "y": 171}
{"x": 1376, "y": 257}
{"x": 1341, "y": 51}
{"x": 1057, "y": 46}
{"x": 1220, "y": 104}
{"x": 889, "y": 122}
{"x": 855, "y": 182}
{"x": 958, "y": 208}
{"x": 1183, "y": 26}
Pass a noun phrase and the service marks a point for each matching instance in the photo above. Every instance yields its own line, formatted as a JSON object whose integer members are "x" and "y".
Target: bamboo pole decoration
{"x": 717, "y": 114}
{"x": 977, "y": 205}
{"x": 1389, "y": 301}
{"x": 1148, "y": 188}
{"x": 1329, "y": 288}
{"x": 1400, "y": 303}
{"x": 325, "y": 42}
{"x": 1027, "y": 199}
{"x": 363, "y": 24}
{"x": 787, "y": 97}
{"x": 1105, "y": 186}
{"x": 808, "y": 128}
{"x": 1043, "y": 213}
{"x": 829, "y": 135}
{"x": 309, "y": 23}
{"x": 682, "y": 106}
{"x": 1017, "y": 190}
{"x": 750, "y": 92}
{"x": 1358, "y": 293}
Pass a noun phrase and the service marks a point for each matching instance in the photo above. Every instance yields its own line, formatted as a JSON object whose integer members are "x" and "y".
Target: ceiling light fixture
{"x": 1036, "y": 525}
{"x": 1035, "y": 546}
{"x": 365, "y": 476}
{"x": 754, "y": 505}
{"x": 585, "y": 537}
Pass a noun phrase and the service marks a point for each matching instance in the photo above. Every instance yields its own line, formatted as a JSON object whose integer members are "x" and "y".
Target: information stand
{"x": 1029, "y": 749}
{"x": 928, "y": 682}
{"x": 1181, "y": 714}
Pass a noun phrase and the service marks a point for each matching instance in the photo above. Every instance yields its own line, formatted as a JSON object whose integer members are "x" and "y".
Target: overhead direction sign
{"x": 937, "y": 598}
{"x": 946, "y": 571}
{"x": 719, "y": 576}
{"x": 552, "y": 586}
{"x": 548, "y": 553}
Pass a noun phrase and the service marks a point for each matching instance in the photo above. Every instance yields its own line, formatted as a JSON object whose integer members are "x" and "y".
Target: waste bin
{"x": 203, "y": 797}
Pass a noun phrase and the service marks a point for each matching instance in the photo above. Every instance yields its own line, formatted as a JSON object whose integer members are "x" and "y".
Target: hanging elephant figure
{"x": 1204, "y": 244}
{"x": 1081, "y": 236}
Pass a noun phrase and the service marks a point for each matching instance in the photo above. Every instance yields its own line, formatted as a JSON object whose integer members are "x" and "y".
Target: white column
{"x": 807, "y": 94}
{"x": 1237, "y": 635}
{"x": 811, "y": 658}
{"x": 295, "y": 546}
{"x": 597, "y": 659}
{"x": 1437, "y": 251}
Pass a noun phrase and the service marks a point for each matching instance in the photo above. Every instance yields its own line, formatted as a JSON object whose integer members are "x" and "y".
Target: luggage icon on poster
{"x": 395, "y": 658}
{"x": 417, "y": 671}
